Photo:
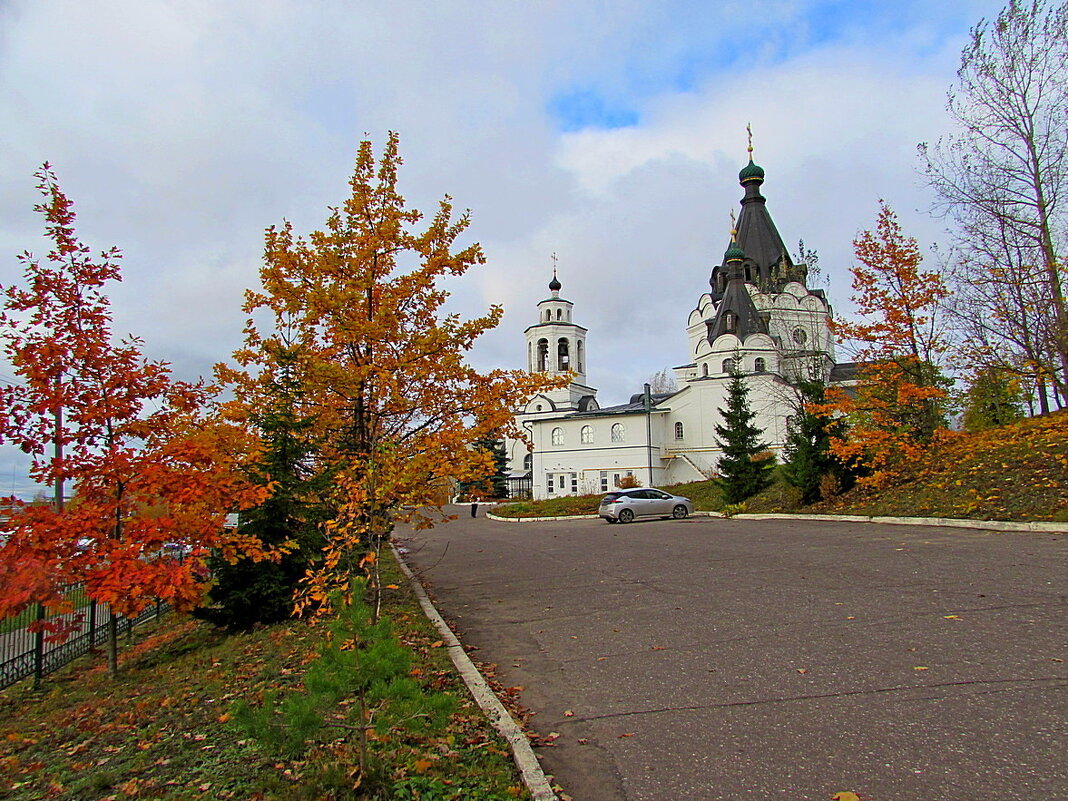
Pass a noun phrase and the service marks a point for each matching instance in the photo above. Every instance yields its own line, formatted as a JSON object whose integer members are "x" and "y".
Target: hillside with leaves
{"x": 168, "y": 729}
{"x": 1014, "y": 472}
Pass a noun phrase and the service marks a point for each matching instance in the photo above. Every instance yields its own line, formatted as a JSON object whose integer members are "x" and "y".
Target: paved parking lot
{"x": 731, "y": 659}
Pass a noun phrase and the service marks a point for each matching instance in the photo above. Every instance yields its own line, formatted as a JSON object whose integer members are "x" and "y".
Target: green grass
{"x": 162, "y": 730}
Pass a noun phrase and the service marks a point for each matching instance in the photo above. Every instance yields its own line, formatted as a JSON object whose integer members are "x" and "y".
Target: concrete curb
{"x": 522, "y": 753}
{"x": 951, "y": 522}
{"x": 491, "y": 516}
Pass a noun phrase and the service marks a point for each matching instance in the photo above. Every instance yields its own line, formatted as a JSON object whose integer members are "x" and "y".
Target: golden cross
{"x": 749, "y": 130}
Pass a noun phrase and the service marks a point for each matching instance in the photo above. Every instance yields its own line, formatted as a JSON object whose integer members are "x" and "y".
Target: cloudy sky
{"x": 608, "y": 132}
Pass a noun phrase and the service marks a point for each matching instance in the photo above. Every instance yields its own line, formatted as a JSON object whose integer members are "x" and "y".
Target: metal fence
{"x": 24, "y": 653}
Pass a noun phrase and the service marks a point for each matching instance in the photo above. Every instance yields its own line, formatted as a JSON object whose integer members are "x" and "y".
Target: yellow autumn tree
{"x": 356, "y": 310}
{"x": 897, "y": 407}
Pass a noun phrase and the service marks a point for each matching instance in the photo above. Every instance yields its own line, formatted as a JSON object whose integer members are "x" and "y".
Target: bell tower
{"x": 557, "y": 345}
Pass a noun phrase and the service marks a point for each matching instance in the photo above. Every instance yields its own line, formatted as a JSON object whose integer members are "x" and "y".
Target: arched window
{"x": 619, "y": 433}
{"x": 563, "y": 357}
{"x": 530, "y": 357}
{"x": 730, "y": 322}
{"x": 586, "y": 435}
{"x": 791, "y": 423}
{"x": 559, "y": 314}
{"x": 704, "y": 370}
{"x": 578, "y": 354}
{"x": 800, "y": 337}
{"x": 728, "y": 365}
{"x": 548, "y": 315}
{"x": 543, "y": 355}
{"x": 761, "y": 366}
{"x": 678, "y": 430}
{"x": 558, "y": 436}
{"x": 528, "y": 463}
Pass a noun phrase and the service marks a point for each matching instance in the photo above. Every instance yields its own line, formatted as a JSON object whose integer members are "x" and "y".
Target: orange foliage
{"x": 357, "y": 312}
{"x": 145, "y": 466}
{"x": 894, "y": 411}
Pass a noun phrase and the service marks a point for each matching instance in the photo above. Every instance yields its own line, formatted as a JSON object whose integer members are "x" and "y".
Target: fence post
{"x": 92, "y": 623}
{"x": 159, "y": 609}
{"x": 38, "y": 649}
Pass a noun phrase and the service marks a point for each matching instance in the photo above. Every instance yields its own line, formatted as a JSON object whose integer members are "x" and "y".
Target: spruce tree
{"x": 740, "y": 475}
{"x": 807, "y": 453}
{"x": 247, "y": 592}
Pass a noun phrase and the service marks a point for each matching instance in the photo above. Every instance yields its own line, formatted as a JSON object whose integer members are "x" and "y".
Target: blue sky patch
{"x": 585, "y": 108}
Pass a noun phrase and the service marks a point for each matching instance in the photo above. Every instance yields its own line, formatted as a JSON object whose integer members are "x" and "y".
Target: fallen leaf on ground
{"x": 920, "y": 667}
{"x": 846, "y": 796}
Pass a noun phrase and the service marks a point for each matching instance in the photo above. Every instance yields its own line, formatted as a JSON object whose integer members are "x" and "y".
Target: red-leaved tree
{"x": 146, "y": 467}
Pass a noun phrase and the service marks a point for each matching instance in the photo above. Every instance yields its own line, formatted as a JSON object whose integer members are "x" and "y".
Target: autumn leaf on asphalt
{"x": 568, "y": 713}
{"x": 920, "y": 667}
{"x": 951, "y": 617}
{"x": 845, "y": 796}
{"x": 802, "y": 670}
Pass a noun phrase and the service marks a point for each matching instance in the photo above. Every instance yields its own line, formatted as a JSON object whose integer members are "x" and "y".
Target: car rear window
{"x": 611, "y": 497}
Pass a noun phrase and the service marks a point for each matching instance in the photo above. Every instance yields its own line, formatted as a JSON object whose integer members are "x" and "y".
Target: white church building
{"x": 759, "y": 318}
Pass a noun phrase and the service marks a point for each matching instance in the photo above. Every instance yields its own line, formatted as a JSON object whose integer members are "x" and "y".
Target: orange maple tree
{"x": 146, "y": 467}
{"x": 357, "y": 309}
{"x": 896, "y": 408}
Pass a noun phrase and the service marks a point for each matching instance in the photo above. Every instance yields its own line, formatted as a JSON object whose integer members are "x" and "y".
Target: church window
{"x": 728, "y": 365}
{"x": 619, "y": 433}
{"x": 528, "y": 462}
{"x": 791, "y": 424}
{"x": 760, "y": 366}
{"x": 574, "y": 483}
{"x": 548, "y": 315}
{"x": 800, "y": 337}
{"x": 730, "y": 322}
{"x": 563, "y": 358}
{"x": 543, "y": 355}
{"x": 537, "y": 408}
{"x": 558, "y": 436}
{"x": 559, "y": 314}
{"x": 530, "y": 357}
{"x": 578, "y": 353}
{"x": 549, "y": 481}
{"x": 586, "y": 435}
{"x": 704, "y": 370}
{"x": 604, "y": 481}
{"x": 678, "y": 430}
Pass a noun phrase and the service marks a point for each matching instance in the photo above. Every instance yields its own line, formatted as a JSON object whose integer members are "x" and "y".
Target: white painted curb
{"x": 502, "y": 721}
{"x": 951, "y": 522}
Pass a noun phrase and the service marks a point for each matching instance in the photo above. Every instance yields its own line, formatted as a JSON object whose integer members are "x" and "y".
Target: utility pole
{"x": 649, "y": 430}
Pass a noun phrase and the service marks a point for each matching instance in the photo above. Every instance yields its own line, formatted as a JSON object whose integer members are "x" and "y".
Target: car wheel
{"x": 679, "y": 512}
{"x": 625, "y": 515}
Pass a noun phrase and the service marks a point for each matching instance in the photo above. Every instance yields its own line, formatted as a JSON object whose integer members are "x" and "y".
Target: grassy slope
{"x": 1017, "y": 472}
{"x": 162, "y": 730}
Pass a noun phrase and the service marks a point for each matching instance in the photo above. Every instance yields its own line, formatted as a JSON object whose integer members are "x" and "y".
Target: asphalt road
{"x": 734, "y": 659}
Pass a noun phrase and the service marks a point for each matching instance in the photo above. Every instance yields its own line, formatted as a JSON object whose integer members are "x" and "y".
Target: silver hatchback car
{"x": 622, "y": 506}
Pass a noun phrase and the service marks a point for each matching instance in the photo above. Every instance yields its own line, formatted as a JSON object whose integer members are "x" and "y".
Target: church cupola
{"x": 736, "y": 313}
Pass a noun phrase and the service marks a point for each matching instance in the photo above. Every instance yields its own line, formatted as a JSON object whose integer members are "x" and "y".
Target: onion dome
{"x": 733, "y": 253}
{"x": 751, "y": 172}
{"x": 554, "y": 285}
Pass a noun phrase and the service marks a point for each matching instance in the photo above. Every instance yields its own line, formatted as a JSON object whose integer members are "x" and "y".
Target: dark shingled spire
{"x": 736, "y": 313}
